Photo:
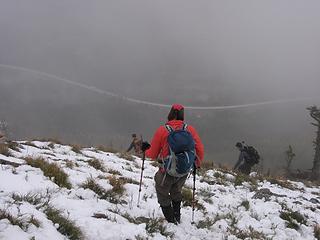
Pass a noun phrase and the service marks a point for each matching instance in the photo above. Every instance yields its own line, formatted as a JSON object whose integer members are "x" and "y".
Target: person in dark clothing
{"x": 243, "y": 164}
{"x": 135, "y": 144}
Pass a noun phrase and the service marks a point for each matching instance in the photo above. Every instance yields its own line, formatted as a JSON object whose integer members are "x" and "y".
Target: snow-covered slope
{"x": 33, "y": 206}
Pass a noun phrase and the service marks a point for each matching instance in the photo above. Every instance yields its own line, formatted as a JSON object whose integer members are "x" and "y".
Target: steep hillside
{"x": 53, "y": 191}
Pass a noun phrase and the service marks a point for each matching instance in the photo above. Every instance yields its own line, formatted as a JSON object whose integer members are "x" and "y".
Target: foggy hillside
{"x": 207, "y": 53}
{"x": 92, "y": 194}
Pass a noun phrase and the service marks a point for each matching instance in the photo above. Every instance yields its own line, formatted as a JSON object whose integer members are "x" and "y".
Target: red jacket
{"x": 159, "y": 145}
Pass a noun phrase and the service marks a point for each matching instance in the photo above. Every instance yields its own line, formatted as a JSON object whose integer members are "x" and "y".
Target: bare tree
{"x": 315, "y": 114}
{"x": 289, "y": 157}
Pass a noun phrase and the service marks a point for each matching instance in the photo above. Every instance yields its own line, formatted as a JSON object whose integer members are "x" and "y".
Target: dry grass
{"x": 114, "y": 195}
{"x": 31, "y": 144}
{"x": 14, "y": 146}
{"x": 97, "y": 164}
{"x": 50, "y": 170}
{"x": 20, "y": 221}
{"x": 206, "y": 165}
{"x": 187, "y": 199}
{"x": 117, "y": 184}
{"x": 113, "y": 172}
{"x": 126, "y": 156}
{"x": 317, "y": 231}
{"x": 76, "y": 148}
{"x": 65, "y": 226}
{"x": 109, "y": 149}
{"x": 52, "y": 140}
{"x": 4, "y": 150}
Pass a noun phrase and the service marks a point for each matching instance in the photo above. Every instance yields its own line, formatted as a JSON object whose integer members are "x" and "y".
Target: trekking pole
{"x": 142, "y": 168}
{"x": 193, "y": 193}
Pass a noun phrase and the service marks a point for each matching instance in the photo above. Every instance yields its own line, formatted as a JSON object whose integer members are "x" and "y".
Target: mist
{"x": 199, "y": 53}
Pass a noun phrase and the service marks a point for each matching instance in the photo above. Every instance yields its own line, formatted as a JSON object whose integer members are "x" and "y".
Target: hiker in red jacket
{"x": 169, "y": 187}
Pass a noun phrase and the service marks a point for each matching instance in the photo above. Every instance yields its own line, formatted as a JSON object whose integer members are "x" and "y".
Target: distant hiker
{"x": 247, "y": 159}
{"x": 178, "y": 147}
{"x": 135, "y": 144}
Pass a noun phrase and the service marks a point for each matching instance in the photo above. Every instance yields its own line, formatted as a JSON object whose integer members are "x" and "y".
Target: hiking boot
{"x": 168, "y": 214}
{"x": 176, "y": 210}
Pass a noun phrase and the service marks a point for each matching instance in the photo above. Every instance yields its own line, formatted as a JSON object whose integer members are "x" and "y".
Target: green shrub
{"x": 50, "y": 170}
{"x": 66, "y": 226}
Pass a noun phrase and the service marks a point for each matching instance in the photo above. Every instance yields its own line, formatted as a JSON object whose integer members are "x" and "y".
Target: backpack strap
{"x": 169, "y": 128}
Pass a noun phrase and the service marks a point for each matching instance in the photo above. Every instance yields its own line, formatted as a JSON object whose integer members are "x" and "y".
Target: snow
{"x": 223, "y": 202}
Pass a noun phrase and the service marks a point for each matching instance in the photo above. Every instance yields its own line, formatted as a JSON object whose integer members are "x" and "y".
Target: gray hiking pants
{"x": 169, "y": 189}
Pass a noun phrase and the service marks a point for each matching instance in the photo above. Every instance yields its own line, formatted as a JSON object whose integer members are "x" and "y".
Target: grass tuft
{"x": 65, "y": 225}
{"x": 32, "y": 198}
{"x": 126, "y": 156}
{"x": 113, "y": 195}
{"x": 117, "y": 184}
{"x": 97, "y": 164}
{"x": 76, "y": 148}
{"x": 155, "y": 225}
{"x": 245, "y": 204}
{"x": 293, "y": 219}
{"x": 206, "y": 223}
{"x": 91, "y": 184}
{"x": 20, "y": 221}
{"x": 50, "y": 170}
{"x": 14, "y": 146}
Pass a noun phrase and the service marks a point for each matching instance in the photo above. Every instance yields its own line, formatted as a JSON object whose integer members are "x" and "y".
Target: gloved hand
{"x": 145, "y": 146}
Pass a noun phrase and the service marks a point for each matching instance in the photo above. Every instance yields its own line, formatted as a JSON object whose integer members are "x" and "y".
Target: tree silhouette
{"x": 315, "y": 114}
{"x": 289, "y": 157}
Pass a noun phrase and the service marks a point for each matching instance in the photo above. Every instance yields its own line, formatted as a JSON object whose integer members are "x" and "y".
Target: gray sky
{"x": 193, "y": 52}
{"x": 136, "y": 47}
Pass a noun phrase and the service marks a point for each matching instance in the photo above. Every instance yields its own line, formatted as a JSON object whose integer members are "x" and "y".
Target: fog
{"x": 199, "y": 53}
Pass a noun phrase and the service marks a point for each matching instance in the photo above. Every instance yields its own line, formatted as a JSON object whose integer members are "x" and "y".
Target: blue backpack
{"x": 182, "y": 156}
